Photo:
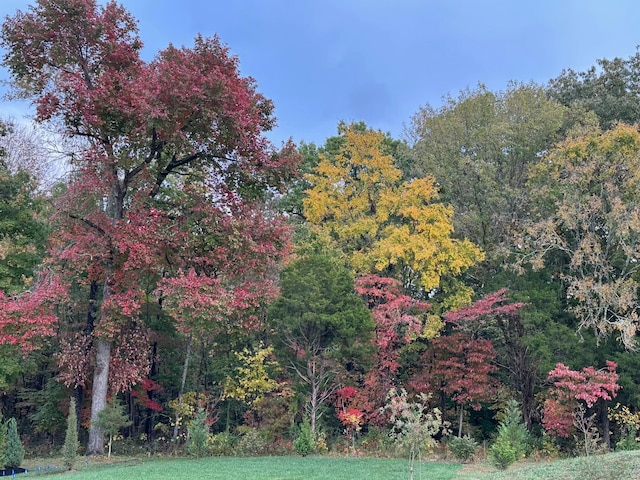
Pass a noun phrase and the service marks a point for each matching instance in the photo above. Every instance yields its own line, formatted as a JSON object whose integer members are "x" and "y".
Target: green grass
{"x": 264, "y": 468}
{"x": 612, "y": 466}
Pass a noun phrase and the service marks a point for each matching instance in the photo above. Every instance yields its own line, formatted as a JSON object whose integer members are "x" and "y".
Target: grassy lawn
{"x": 262, "y": 468}
{"x": 612, "y": 466}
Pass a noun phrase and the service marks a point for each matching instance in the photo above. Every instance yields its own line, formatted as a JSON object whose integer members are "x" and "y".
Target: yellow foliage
{"x": 432, "y": 327}
{"x": 251, "y": 380}
{"x": 624, "y": 417}
{"x": 380, "y": 223}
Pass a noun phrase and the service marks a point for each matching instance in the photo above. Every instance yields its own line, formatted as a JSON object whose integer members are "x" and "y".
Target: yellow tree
{"x": 587, "y": 224}
{"x": 379, "y": 223}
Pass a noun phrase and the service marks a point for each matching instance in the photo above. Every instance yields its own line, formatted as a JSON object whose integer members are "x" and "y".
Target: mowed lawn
{"x": 266, "y": 468}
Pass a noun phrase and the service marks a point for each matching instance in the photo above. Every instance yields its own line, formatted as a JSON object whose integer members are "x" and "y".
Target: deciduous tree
{"x": 478, "y": 146}
{"x": 569, "y": 388}
{"x": 610, "y": 89}
{"x": 183, "y": 126}
{"x": 379, "y": 223}
{"x": 586, "y": 225}
{"x": 399, "y": 319}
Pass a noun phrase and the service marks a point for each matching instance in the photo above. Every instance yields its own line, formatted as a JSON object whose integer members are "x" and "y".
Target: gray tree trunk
{"x": 99, "y": 396}
{"x": 185, "y": 369}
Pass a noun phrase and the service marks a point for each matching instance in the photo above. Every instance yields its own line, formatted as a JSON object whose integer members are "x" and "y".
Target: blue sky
{"x": 322, "y": 61}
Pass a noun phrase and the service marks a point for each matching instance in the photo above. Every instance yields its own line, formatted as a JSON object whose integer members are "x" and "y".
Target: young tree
{"x": 70, "y": 447}
{"x": 321, "y": 323}
{"x": 414, "y": 424}
{"x": 173, "y": 148}
{"x": 570, "y": 388}
{"x": 197, "y": 445}
{"x": 14, "y": 451}
{"x": 513, "y": 438}
{"x": 112, "y": 419}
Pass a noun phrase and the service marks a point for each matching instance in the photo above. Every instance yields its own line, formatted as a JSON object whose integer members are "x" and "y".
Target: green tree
{"x": 610, "y": 89}
{"x": 14, "y": 451}
{"x": 304, "y": 444}
{"x": 197, "y": 443}
{"x": 513, "y": 439}
{"x": 70, "y": 447}
{"x": 478, "y": 146}
{"x": 112, "y": 419}
{"x": 321, "y": 323}
{"x": 23, "y": 230}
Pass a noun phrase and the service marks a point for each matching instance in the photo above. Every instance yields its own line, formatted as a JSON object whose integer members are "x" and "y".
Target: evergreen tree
{"x": 198, "y": 435}
{"x": 513, "y": 438}
{"x": 14, "y": 452}
{"x": 70, "y": 448}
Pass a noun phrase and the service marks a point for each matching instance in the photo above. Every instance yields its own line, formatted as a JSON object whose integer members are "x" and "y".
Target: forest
{"x": 477, "y": 276}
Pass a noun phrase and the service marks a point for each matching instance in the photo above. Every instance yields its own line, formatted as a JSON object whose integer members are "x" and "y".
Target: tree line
{"x": 187, "y": 272}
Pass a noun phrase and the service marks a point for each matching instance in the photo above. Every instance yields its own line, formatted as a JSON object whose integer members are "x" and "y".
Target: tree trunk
{"x": 151, "y": 414}
{"x": 185, "y": 368}
{"x": 113, "y": 209}
{"x": 99, "y": 396}
{"x": 313, "y": 410}
{"x": 604, "y": 416}
{"x": 460, "y": 421}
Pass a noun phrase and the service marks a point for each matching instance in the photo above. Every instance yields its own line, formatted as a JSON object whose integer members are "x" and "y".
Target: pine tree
{"x": 513, "y": 438}
{"x": 198, "y": 435}
{"x": 14, "y": 452}
{"x": 70, "y": 448}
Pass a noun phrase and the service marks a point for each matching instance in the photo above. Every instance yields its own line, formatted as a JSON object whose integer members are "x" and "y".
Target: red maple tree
{"x": 572, "y": 386}
{"x": 168, "y": 177}
{"x": 398, "y": 320}
{"x": 460, "y": 364}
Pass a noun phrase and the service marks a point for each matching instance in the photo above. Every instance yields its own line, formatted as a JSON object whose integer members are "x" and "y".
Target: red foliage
{"x": 571, "y": 386}
{"x": 398, "y": 319}
{"x": 142, "y": 393}
{"x": 30, "y": 316}
{"x": 488, "y": 306}
{"x": 461, "y": 366}
{"x": 168, "y": 189}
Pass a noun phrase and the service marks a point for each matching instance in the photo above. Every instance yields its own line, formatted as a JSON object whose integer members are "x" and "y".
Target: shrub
{"x": 463, "y": 448}
{"x": 197, "y": 443}
{"x": 252, "y": 442}
{"x": 222, "y": 444}
{"x": 14, "y": 452}
{"x": 304, "y": 444}
{"x": 502, "y": 453}
{"x": 629, "y": 441}
{"x": 70, "y": 447}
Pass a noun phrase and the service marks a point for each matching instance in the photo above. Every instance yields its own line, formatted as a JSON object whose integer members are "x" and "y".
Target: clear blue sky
{"x": 322, "y": 61}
